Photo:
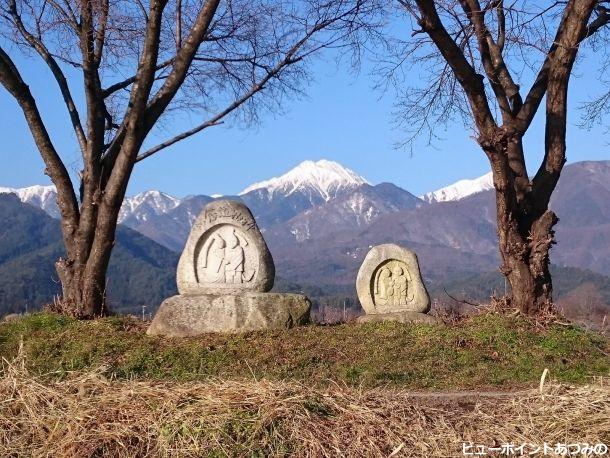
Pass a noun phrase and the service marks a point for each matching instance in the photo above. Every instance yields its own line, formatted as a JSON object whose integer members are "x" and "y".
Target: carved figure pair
{"x": 392, "y": 285}
{"x": 227, "y": 259}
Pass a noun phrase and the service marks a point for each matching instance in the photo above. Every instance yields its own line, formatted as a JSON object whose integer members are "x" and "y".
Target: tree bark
{"x": 525, "y": 233}
{"x": 83, "y": 296}
{"x": 83, "y": 281}
{"x": 83, "y": 285}
{"x": 525, "y": 253}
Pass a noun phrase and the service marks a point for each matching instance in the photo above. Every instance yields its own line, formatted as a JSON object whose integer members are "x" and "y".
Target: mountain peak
{"x": 146, "y": 203}
{"x": 324, "y": 177}
{"x": 460, "y": 189}
{"x": 154, "y": 195}
{"x": 29, "y": 192}
{"x": 37, "y": 195}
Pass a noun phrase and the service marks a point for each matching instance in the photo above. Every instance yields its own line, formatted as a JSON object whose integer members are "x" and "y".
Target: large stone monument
{"x": 223, "y": 276}
{"x": 390, "y": 286}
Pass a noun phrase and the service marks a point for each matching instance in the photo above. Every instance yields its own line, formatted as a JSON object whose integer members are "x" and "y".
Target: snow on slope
{"x": 36, "y": 193}
{"x": 140, "y": 205}
{"x": 460, "y": 189}
{"x": 326, "y": 178}
{"x": 323, "y": 179}
{"x": 43, "y": 197}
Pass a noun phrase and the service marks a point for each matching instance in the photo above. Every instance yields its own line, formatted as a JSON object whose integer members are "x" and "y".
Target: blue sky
{"x": 342, "y": 118}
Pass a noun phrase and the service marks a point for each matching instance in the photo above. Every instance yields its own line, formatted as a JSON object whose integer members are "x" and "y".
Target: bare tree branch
{"x": 215, "y": 120}
{"x": 129, "y": 81}
{"x": 469, "y": 79}
{"x": 121, "y": 155}
{"x": 560, "y": 69}
{"x": 291, "y": 57}
{"x": 55, "y": 70}
{"x": 12, "y": 81}
{"x": 476, "y": 14}
{"x": 538, "y": 88}
{"x": 182, "y": 62}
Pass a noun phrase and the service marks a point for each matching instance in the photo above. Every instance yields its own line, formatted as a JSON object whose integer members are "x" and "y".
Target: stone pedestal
{"x": 223, "y": 277}
{"x": 183, "y": 316}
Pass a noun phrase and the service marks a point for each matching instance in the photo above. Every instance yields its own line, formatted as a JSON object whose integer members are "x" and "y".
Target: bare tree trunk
{"x": 525, "y": 231}
{"x": 83, "y": 294}
{"x": 84, "y": 283}
{"x": 83, "y": 272}
{"x": 524, "y": 249}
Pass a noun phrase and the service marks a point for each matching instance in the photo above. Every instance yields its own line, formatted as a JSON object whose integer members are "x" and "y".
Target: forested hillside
{"x": 141, "y": 271}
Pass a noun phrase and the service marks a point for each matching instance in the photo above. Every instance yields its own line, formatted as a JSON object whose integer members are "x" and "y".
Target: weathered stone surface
{"x": 223, "y": 275}
{"x": 390, "y": 281}
{"x": 401, "y": 317}
{"x": 183, "y": 316}
{"x": 225, "y": 253}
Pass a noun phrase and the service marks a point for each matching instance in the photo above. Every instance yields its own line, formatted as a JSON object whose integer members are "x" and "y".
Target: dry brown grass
{"x": 88, "y": 415}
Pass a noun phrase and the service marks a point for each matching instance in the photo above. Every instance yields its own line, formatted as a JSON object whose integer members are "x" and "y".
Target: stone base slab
{"x": 183, "y": 316}
{"x": 400, "y": 317}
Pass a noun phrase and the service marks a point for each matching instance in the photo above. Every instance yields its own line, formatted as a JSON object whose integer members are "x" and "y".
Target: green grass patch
{"x": 484, "y": 351}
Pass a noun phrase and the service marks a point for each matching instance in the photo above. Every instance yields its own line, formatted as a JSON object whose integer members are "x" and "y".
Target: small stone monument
{"x": 390, "y": 286}
{"x": 223, "y": 276}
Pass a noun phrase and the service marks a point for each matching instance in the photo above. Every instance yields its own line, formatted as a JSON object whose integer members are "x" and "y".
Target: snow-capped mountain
{"x": 277, "y": 199}
{"x": 138, "y": 207}
{"x": 141, "y": 206}
{"x": 460, "y": 189}
{"x": 316, "y": 241}
{"x": 43, "y": 197}
{"x": 358, "y": 208}
{"x": 325, "y": 179}
{"x": 319, "y": 247}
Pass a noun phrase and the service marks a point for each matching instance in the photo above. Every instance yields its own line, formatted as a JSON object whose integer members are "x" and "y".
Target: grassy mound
{"x": 91, "y": 416}
{"x": 489, "y": 350}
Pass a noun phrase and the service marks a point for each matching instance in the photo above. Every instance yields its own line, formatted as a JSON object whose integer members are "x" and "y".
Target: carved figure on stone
{"x": 226, "y": 257}
{"x": 389, "y": 281}
{"x": 223, "y": 277}
{"x": 225, "y": 253}
{"x": 213, "y": 256}
{"x": 391, "y": 285}
{"x": 234, "y": 261}
{"x": 399, "y": 286}
{"x": 383, "y": 284}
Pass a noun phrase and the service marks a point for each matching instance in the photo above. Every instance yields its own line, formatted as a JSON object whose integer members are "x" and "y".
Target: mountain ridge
{"x": 41, "y": 196}
{"x": 323, "y": 179}
{"x": 460, "y": 189}
{"x": 447, "y": 233}
{"x": 319, "y": 181}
